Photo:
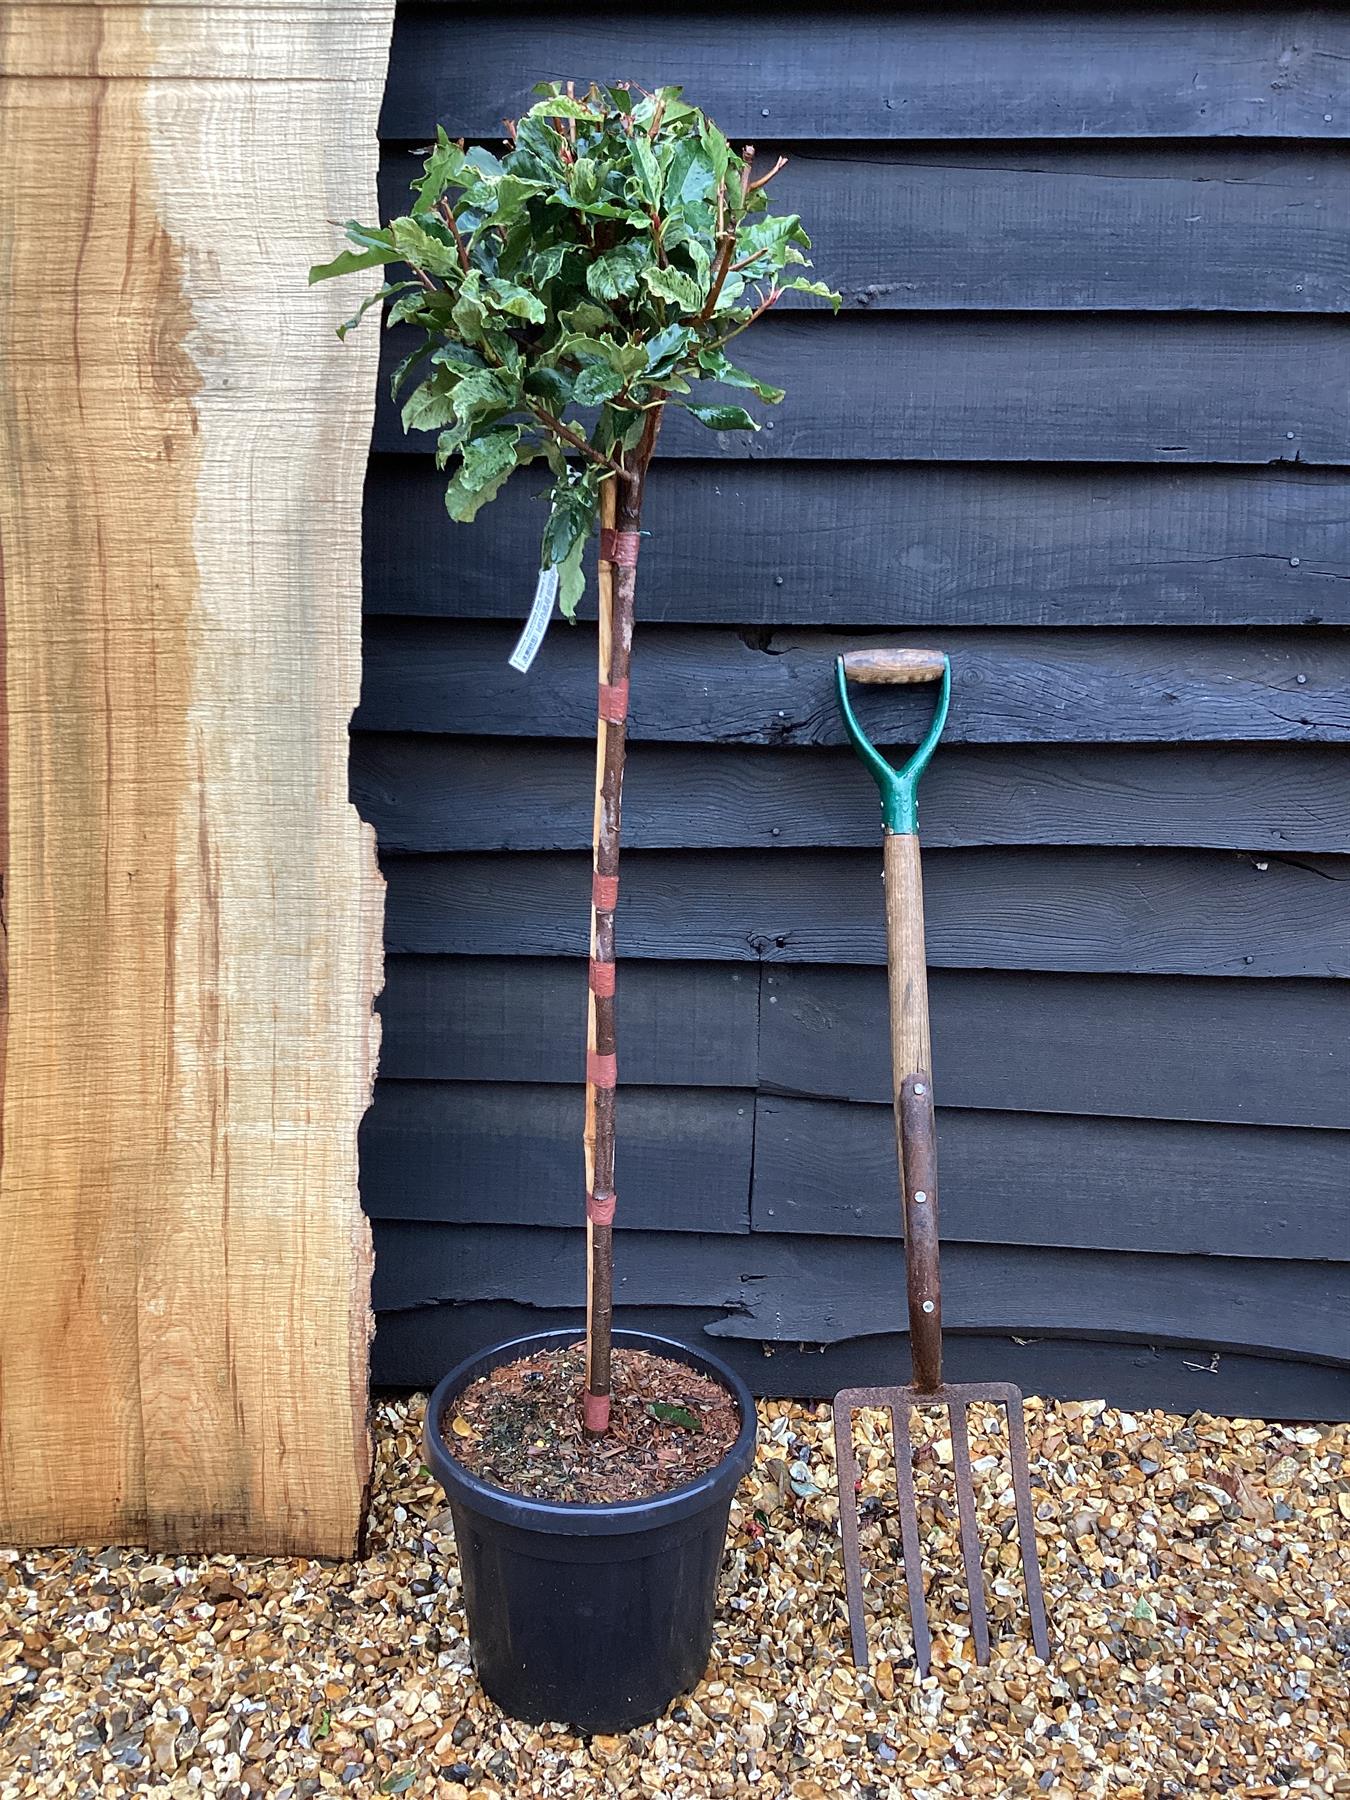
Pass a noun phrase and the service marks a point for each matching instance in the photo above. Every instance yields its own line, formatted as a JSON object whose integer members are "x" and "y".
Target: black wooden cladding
{"x": 858, "y": 71}
{"x": 1184, "y": 1377}
{"x": 1099, "y": 1045}
{"x": 726, "y": 1161}
{"x": 701, "y": 685}
{"x": 426, "y": 793}
{"x": 900, "y": 544}
{"x": 514, "y": 1019}
{"x": 1101, "y": 227}
{"x": 1103, "y": 1046}
{"x": 825, "y": 1289}
{"x": 1024, "y": 387}
{"x": 1082, "y": 424}
{"x": 511, "y": 1155}
{"x": 1167, "y": 912}
{"x": 1029, "y": 1178}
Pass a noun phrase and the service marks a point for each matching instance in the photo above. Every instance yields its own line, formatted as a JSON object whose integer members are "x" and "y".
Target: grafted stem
{"x": 620, "y": 522}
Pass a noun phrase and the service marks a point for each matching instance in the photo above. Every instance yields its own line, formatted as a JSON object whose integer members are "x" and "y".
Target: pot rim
{"x": 591, "y": 1518}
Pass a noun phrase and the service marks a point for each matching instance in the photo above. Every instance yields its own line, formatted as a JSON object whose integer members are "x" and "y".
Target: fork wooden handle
{"x": 894, "y": 666}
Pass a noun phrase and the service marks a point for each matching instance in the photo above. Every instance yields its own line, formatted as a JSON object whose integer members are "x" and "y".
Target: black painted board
{"x": 898, "y": 545}
{"x": 426, "y": 793}
{"x": 1156, "y": 228}
{"x": 413, "y": 1349}
{"x": 1202, "y": 912}
{"x": 1111, "y": 1045}
{"x": 698, "y": 685}
{"x": 524, "y": 1019}
{"x": 1130, "y": 1046}
{"x": 949, "y": 72}
{"x": 829, "y": 1168}
{"x": 463, "y": 1153}
{"x": 1018, "y": 387}
{"x": 822, "y": 1289}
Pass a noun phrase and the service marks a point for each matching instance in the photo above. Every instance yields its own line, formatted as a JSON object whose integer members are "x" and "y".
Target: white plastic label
{"x": 527, "y": 644}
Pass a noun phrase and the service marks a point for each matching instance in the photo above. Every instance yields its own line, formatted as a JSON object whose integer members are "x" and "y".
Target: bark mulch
{"x": 1196, "y": 1570}
{"x": 520, "y": 1427}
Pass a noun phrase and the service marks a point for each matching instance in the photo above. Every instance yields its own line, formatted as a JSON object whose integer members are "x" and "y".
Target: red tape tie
{"x": 602, "y": 979}
{"x": 604, "y": 892}
{"x": 614, "y": 702}
{"x": 602, "y": 1071}
{"x": 619, "y": 547}
{"x": 595, "y": 1411}
{"x": 600, "y": 1208}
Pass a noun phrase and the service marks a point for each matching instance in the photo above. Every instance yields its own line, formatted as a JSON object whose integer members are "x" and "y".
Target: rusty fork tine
{"x": 846, "y": 1466}
{"x": 970, "y": 1539}
{"x": 909, "y": 1534}
{"x": 1026, "y": 1528}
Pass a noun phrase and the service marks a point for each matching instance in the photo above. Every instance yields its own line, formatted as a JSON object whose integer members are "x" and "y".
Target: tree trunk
{"x": 620, "y": 519}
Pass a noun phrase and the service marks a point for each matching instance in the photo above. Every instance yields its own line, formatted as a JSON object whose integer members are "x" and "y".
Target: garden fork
{"x": 917, "y": 1146}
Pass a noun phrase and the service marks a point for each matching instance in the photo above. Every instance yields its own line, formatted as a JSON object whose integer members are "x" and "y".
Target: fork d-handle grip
{"x": 890, "y": 666}
{"x": 916, "y": 1139}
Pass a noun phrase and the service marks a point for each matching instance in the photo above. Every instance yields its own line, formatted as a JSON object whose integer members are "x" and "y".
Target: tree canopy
{"x": 566, "y": 290}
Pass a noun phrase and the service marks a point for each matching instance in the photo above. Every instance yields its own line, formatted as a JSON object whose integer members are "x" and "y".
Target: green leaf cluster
{"x": 571, "y": 289}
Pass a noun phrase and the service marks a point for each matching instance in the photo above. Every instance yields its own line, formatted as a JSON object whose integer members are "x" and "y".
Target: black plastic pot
{"x": 595, "y": 1616}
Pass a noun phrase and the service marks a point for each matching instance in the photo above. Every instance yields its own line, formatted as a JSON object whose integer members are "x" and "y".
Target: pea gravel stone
{"x": 1197, "y": 1576}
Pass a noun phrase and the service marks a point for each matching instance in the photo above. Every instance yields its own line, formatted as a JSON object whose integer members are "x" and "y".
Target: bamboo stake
{"x": 620, "y": 520}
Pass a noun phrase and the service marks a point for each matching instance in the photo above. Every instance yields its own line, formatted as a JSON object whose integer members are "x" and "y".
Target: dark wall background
{"x": 1084, "y": 422}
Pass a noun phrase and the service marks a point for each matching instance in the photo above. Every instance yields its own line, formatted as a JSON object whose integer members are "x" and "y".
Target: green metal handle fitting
{"x": 898, "y": 787}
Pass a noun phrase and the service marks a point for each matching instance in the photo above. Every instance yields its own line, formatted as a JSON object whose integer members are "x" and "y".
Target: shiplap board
{"x": 699, "y": 685}
{"x": 825, "y": 1289}
{"x": 1144, "y": 228}
{"x": 918, "y": 73}
{"x": 1166, "y": 1048}
{"x": 1163, "y": 1047}
{"x": 1024, "y": 387}
{"x": 1200, "y": 912}
{"x": 489, "y": 1018}
{"x": 510, "y": 1154}
{"x": 430, "y": 793}
{"x": 461, "y": 1153}
{"x": 898, "y": 545}
{"x": 829, "y": 1168}
{"x": 414, "y": 1348}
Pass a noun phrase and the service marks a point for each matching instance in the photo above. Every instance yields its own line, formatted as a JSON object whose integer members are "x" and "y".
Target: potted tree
{"x": 566, "y": 294}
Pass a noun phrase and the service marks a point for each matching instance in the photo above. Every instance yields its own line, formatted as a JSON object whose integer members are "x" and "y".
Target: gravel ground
{"x": 1197, "y": 1574}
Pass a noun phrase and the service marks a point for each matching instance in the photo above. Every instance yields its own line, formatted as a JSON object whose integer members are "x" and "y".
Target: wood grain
{"x": 515, "y": 1019}
{"x": 881, "y": 545}
{"x": 1020, "y": 388}
{"x": 823, "y": 1290}
{"x": 906, "y": 960}
{"x": 1134, "y": 1046}
{"x": 506, "y": 1154}
{"x": 828, "y": 1168}
{"x": 413, "y": 1348}
{"x": 916, "y": 73}
{"x": 192, "y": 905}
{"x": 1151, "y": 912}
{"x": 698, "y": 685}
{"x": 1093, "y": 226}
{"x": 440, "y": 793}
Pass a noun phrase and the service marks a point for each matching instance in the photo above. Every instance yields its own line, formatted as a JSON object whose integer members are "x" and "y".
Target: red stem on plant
{"x": 765, "y": 179}
{"x": 447, "y": 212}
{"x": 621, "y": 514}
{"x": 566, "y": 433}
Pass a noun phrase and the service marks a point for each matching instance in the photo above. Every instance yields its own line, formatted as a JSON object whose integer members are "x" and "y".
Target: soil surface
{"x": 520, "y": 1428}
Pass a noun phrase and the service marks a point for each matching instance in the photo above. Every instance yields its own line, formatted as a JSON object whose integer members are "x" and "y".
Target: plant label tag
{"x": 527, "y": 644}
